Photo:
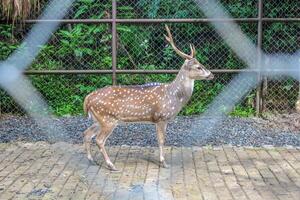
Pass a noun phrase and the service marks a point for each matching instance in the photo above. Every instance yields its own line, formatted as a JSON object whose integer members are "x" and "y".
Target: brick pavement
{"x": 62, "y": 171}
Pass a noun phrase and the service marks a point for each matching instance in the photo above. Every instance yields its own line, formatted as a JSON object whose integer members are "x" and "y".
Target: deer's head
{"x": 193, "y": 68}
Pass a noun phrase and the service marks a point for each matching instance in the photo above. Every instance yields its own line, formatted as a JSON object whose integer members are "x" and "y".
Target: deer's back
{"x": 130, "y": 103}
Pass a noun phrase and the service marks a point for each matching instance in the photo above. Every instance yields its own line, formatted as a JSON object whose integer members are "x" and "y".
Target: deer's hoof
{"x": 90, "y": 158}
{"x": 164, "y": 164}
{"x": 112, "y": 167}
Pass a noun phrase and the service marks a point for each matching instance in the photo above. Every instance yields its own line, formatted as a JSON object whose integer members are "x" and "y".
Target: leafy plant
{"x": 88, "y": 46}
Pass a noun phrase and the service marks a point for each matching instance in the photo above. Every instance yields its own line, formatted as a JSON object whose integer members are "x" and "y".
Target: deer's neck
{"x": 182, "y": 87}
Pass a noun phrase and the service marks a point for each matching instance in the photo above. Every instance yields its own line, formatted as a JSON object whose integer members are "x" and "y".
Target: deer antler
{"x": 193, "y": 50}
{"x": 169, "y": 38}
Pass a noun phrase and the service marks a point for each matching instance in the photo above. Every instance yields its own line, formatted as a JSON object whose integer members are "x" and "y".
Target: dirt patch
{"x": 282, "y": 122}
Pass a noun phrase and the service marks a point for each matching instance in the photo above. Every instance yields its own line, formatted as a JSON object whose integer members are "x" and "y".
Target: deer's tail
{"x": 85, "y": 106}
{"x": 87, "y": 110}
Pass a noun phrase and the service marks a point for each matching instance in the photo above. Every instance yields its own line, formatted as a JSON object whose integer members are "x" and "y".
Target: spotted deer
{"x": 156, "y": 103}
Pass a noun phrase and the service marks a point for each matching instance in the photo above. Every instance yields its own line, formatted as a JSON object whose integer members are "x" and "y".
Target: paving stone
{"x": 44, "y": 171}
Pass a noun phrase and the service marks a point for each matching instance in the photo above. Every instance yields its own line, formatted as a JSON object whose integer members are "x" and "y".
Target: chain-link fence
{"x": 100, "y": 43}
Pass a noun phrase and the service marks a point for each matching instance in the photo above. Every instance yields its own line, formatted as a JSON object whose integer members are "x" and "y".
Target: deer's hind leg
{"x": 107, "y": 128}
{"x": 88, "y": 135}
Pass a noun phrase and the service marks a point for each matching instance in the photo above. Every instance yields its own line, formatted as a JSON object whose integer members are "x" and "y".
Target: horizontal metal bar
{"x": 69, "y": 21}
{"x": 153, "y": 21}
{"x": 194, "y": 20}
{"x": 138, "y": 21}
{"x": 125, "y": 71}
{"x": 281, "y": 19}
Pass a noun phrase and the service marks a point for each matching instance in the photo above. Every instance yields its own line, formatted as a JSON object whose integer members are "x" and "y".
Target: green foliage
{"x": 90, "y": 9}
{"x": 65, "y": 93}
{"x": 8, "y": 43}
{"x": 77, "y": 47}
{"x": 241, "y": 111}
{"x": 88, "y": 46}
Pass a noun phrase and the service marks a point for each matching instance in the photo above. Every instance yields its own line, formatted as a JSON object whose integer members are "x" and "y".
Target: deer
{"x": 157, "y": 103}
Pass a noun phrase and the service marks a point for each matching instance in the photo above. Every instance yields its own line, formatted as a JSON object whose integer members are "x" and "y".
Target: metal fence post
{"x": 259, "y": 95}
{"x": 114, "y": 42}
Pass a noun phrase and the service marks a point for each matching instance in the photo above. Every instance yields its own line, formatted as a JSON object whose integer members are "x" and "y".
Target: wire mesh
{"x": 64, "y": 93}
{"x": 180, "y": 9}
{"x": 144, "y": 47}
{"x": 281, "y": 94}
{"x": 80, "y": 9}
{"x": 82, "y": 46}
{"x": 282, "y": 9}
{"x": 281, "y": 38}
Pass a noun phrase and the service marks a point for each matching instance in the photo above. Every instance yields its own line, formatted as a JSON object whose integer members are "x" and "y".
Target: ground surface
{"x": 183, "y": 131}
{"x": 61, "y": 171}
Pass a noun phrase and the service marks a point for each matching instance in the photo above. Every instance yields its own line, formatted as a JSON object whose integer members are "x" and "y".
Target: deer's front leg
{"x": 161, "y": 131}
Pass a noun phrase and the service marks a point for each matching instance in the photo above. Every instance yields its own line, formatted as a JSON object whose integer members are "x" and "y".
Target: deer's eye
{"x": 199, "y": 68}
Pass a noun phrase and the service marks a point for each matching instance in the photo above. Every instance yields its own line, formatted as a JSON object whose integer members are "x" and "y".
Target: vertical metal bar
{"x": 259, "y": 54}
{"x": 114, "y": 42}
